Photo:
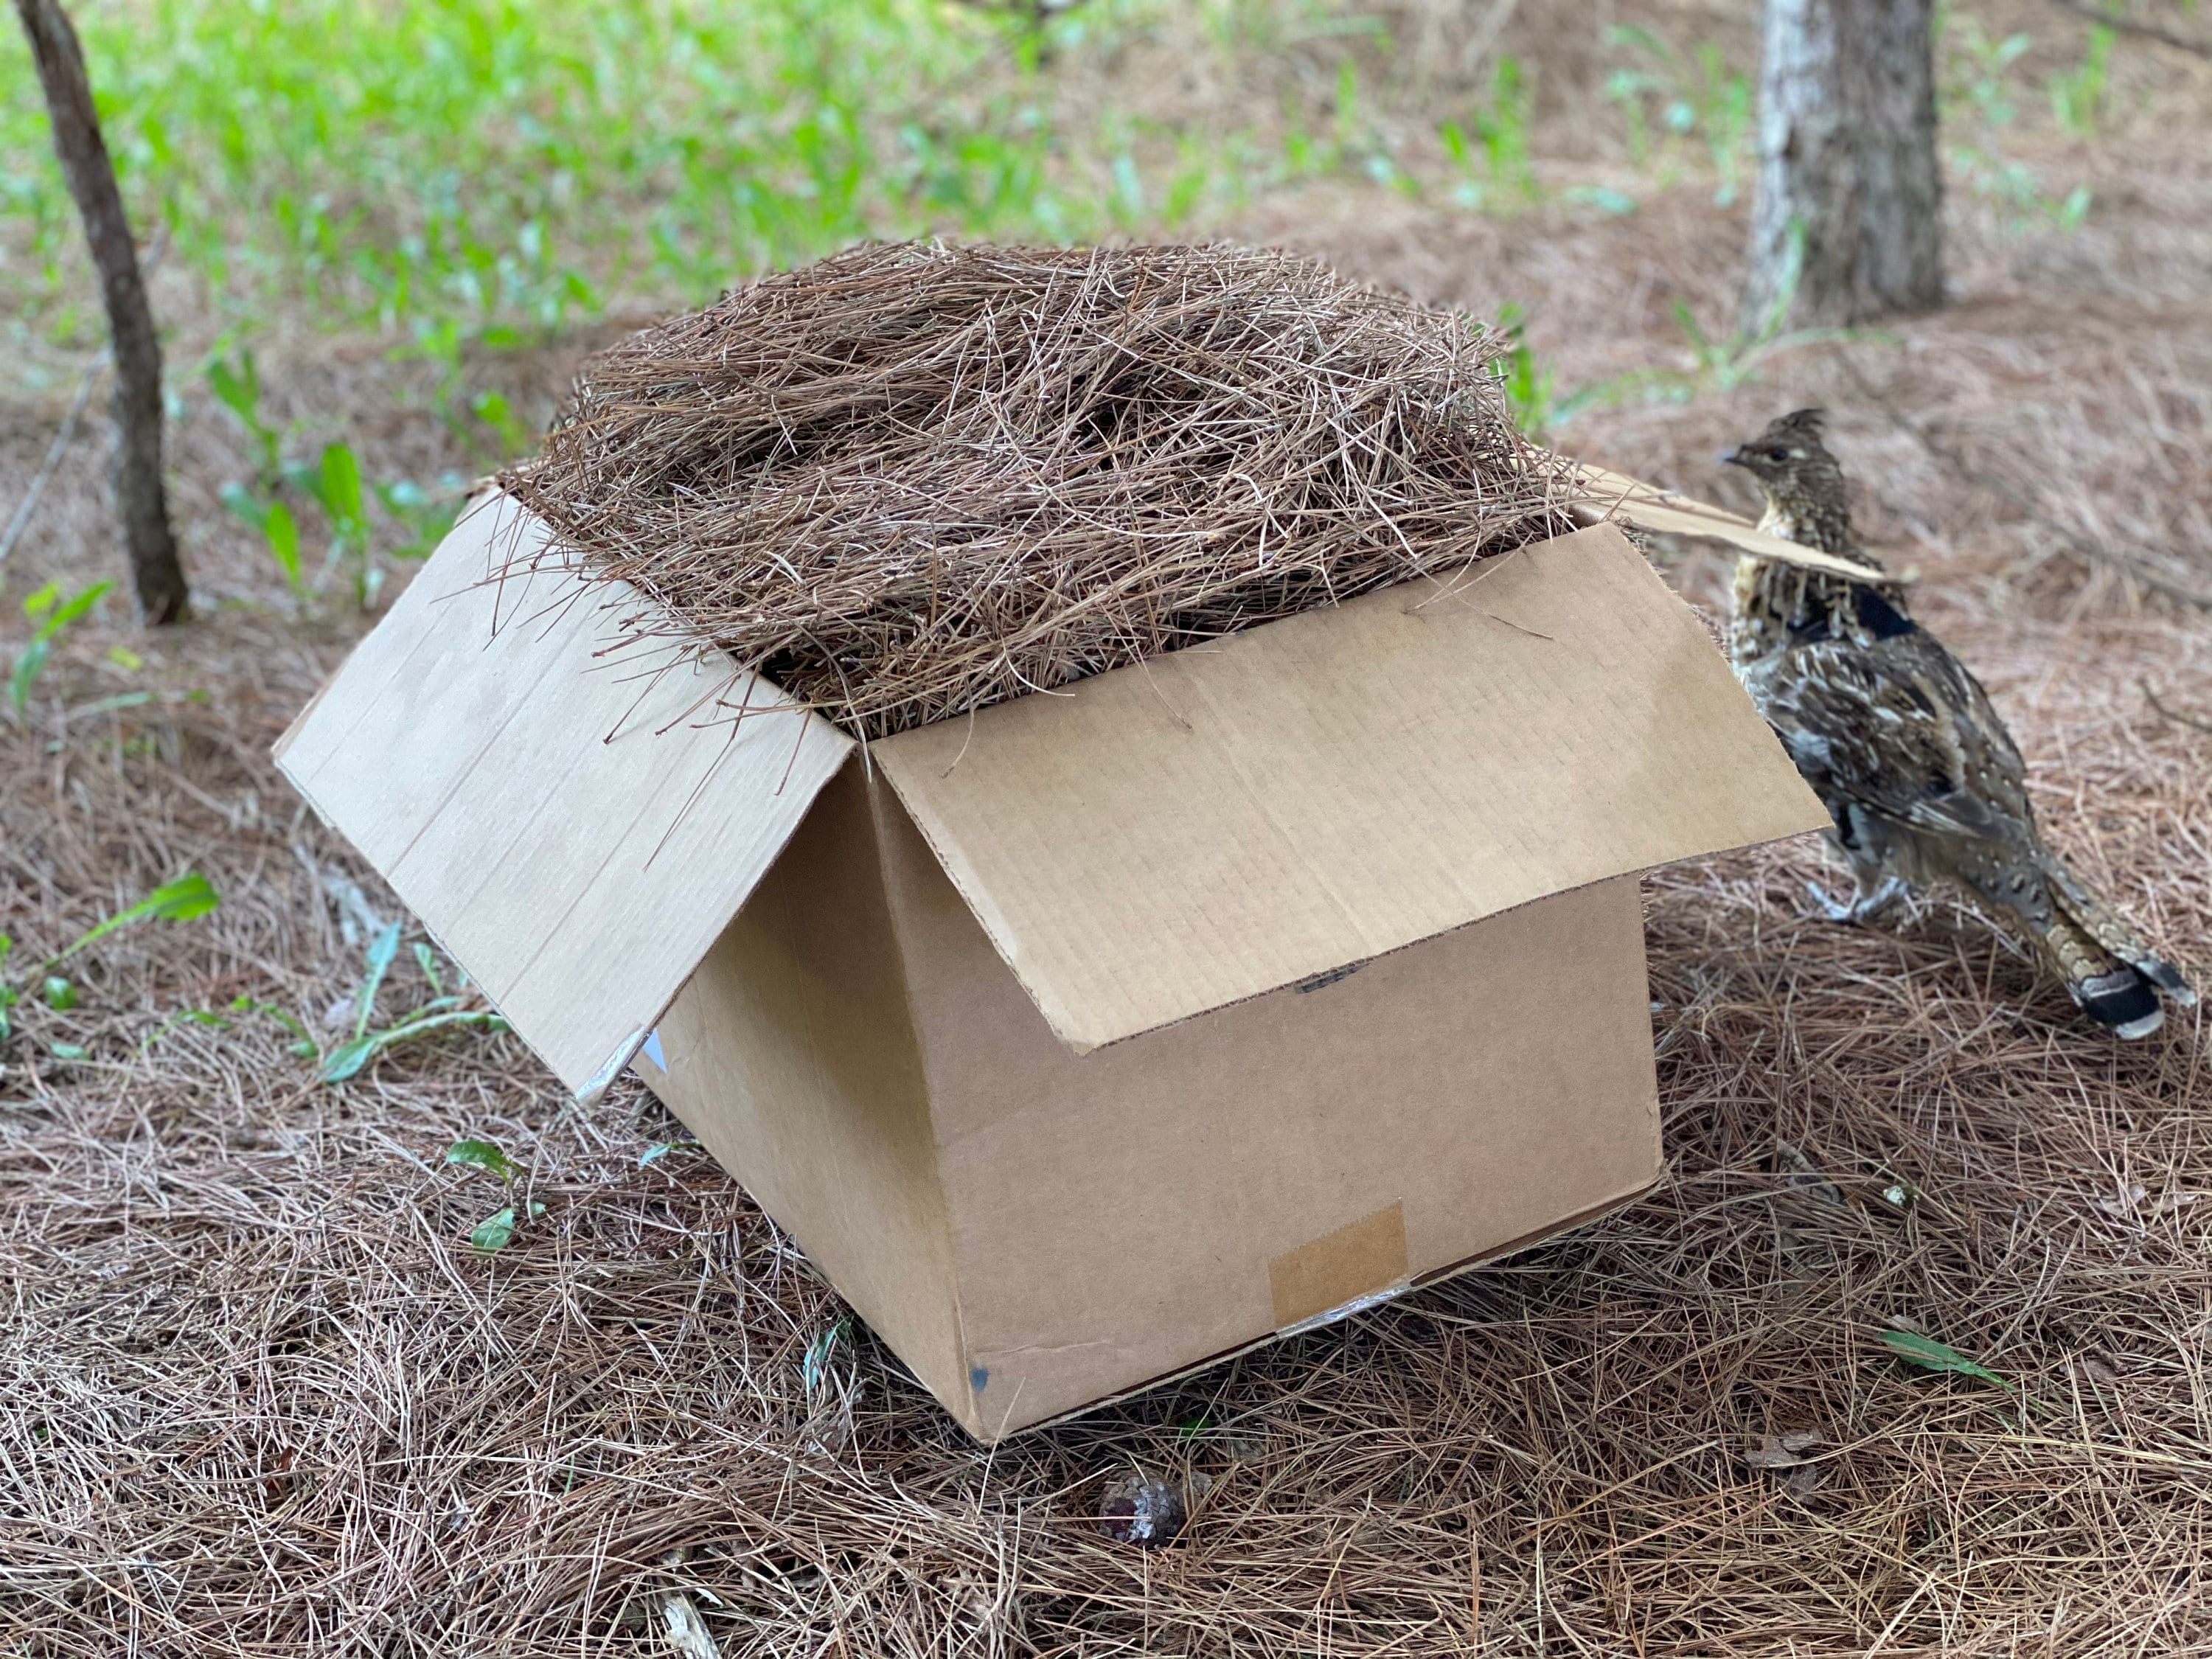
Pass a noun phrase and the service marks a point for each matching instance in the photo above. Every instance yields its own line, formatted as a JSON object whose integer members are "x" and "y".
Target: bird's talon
{"x": 1827, "y": 908}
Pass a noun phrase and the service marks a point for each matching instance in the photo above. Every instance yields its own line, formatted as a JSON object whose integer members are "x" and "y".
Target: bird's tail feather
{"x": 2111, "y": 973}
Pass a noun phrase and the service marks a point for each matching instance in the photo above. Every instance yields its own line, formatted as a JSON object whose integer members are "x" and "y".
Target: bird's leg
{"x": 1872, "y": 893}
{"x": 1870, "y": 901}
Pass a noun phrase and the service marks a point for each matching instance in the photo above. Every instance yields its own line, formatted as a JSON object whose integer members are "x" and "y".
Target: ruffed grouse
{"x": 1901, "y": 744}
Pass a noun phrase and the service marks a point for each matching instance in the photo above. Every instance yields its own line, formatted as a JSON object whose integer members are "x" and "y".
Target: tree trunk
{"x": 1848, "y": 221}
{"x": 155, "y": 571}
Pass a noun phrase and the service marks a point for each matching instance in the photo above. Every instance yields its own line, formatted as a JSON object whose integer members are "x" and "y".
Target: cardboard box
{"x": 1103, "y": 1033}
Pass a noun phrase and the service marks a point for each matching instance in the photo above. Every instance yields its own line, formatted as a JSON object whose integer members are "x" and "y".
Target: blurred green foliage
{"x": 456, "y": 170}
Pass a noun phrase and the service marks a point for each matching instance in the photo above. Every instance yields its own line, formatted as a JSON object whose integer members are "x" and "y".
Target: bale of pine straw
{"x": 911, "y": 481}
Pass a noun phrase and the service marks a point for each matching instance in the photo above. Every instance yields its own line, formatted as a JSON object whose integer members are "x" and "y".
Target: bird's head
{"x": 1801, "y": 480}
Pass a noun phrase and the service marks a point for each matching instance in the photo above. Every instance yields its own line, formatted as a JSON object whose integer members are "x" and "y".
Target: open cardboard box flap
{"x": 1147, "y": 845}
{"x": 519, "y": 791}
{"x": 1165, "y": 839}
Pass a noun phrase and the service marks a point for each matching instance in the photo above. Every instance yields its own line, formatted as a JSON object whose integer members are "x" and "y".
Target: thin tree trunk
{"x": 1848, "y": 221}
{"x": 155, "y": 571}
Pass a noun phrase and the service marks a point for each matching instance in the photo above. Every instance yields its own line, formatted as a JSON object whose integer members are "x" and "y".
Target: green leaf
{"x": 37, "y": 603}
{"x": 428, "y": 964}
{"x": 1606, "y": 200}
{"x": 348, "y": 1057}
{"x": 125, "y": 658}
{"x": 485, "y": 1155}
{"x": 282, "y": 531}
{"x": 814, "y": 1366}
{"x": 109, "y": 705}
{"x": 1931, "y": 1355}
{"x": 381, "y": 950}
{"x": 59, "y": 617}
{"x": 190, "y": 895}
{"x": 241, "y": 503}
{"x": 69, "y": 1051}
{"x": 495, "y": 1231}
{"x": 338, "y": 487}
{"x": 60, "y": 993}
{"x": 28, "y": 661}
{"x": 348, "y": 1060}
{"x": 238, "y": 389}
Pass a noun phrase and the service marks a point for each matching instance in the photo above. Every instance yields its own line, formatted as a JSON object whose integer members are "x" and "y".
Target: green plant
{"x": 1930, "y": 1355}
{"x": 1530, "y": 392}
{"x": 2077, "y": 95}
{"x": 1978, "y": 110}
{"x": 445, "y": 1011}
{"x": 512, "y": 434}
{"x": 237, "y": 387}
{"x": 279, "y": 528}
{"x": 447, "y": 177}
{"x": 49, "y": 614}
{"x": 190, "y": 895}
{"x": 496, "y": 1230}
{"x": 423, "y": 519}
{"x": 814, "y": 1365}
{"x": 335, "y": 483}
{"x": 1725, "y": 362}
{"x": 301, "y": 1047}
{"x": 1492, "y": 161}
{"x": 1698, "y": 97}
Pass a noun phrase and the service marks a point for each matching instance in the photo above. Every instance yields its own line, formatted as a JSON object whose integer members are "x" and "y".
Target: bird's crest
{"x": 1801, "y": 423}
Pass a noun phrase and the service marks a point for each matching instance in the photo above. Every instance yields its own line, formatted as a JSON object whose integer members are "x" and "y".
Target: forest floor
{"x": 260, "y": 1394}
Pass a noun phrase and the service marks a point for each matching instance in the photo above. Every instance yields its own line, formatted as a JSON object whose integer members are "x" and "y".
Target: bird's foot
{"x": 1865, "y": 904}
{"x": 1826, "y": 909}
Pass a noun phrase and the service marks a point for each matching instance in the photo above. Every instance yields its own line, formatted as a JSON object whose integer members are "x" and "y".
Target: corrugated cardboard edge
{"x": 1596, "y": 1211}
{"x": 1609, "y": 494}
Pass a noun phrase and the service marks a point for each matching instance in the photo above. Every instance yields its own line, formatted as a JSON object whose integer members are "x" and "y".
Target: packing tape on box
{"x": 1360, "y": 1264}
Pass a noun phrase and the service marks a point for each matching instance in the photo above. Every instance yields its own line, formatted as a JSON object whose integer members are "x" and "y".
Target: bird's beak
{"x": 1732, "y": 457}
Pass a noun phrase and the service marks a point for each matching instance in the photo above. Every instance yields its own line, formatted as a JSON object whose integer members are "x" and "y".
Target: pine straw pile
{"x": 910, "y": 481}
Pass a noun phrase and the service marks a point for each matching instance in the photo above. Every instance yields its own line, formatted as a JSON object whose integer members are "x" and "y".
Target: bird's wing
{"x": 1901, "y": 729}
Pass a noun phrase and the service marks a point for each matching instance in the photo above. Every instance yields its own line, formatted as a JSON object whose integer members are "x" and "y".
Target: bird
{"x": 1902, "y": 745}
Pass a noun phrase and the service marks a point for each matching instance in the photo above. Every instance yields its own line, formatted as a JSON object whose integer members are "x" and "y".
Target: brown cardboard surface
{"x": 520, "y": 796}
{"x": 791, "y": 1055}
{"x": 1617, "y": 494}
{"x": 1172, "y": 837}
{"x": 1114, "y": 1216}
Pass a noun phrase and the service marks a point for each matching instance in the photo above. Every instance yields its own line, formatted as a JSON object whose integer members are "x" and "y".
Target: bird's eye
{"x": 1778, "y": 454}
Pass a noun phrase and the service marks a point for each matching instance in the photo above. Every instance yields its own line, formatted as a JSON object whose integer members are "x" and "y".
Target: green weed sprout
{"x": 496, "y": 1230}
{"x": 190, "y": 895}
{"x": 49, "y": 614}
{"x": 1697, "y": 98}
{"x": 1492, "y": 159}
{"x": 443, "y": 1012}
{"x": 237, "y": 387}
{"x": 1978, "y": 102}
{"x": 2077, "y": 95}
{"x": 1538, "y": 407}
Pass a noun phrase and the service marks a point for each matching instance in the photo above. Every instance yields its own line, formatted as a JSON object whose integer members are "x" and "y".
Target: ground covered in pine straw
{"x": 260, "y": 1394}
